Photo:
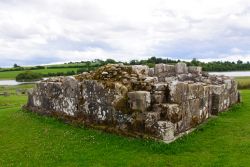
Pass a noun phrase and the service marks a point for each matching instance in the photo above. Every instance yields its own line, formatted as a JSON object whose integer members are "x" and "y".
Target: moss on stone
{"x": 123, "y": 105}
{"x": 194, "y": 121}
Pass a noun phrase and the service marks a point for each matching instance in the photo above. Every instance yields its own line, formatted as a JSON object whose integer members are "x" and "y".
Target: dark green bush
{"x": 81, "y": 70}
{"x": 28, "y": 76}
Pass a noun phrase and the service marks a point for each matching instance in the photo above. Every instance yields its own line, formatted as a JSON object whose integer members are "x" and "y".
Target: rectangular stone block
{"x": 160, "y": 86}
{"x": 197, "y": 90}
{"x": 178, "y": 92}
{"x": 151, "y": 72}
{"x": 170, "y": 79}
{"x": 169, "y": 68}
{"x": 195, "y": 70}
{"x": 151, "y": 120}
{"x": 164, "y": 68}
{"x": 151, "y": 80}
{"x": 140, "y": 69}
{"x": 228, "y": 84}
{"x": 139, "y": 100}
{"x": 159, "y": 97}
{"x": 195, "y": 107}
{"x": 217, "y": 89}
{"x": 165, "y": 130}
{"x": 215, "y": 104}
{"x": 181, "y": 68}
{"x": 159, "y": 68}
{"x": 173, "y": 113}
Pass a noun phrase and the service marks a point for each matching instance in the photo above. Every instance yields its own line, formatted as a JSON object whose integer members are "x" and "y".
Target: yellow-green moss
{"x": 123, "y": 105}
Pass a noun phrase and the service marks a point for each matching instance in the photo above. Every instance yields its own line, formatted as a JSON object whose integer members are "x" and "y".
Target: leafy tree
{"x": 16, "y": 66}
{"x": 110, "y": 61}
{"x": 195, "y": 62}
{"x": 239, "y": 62}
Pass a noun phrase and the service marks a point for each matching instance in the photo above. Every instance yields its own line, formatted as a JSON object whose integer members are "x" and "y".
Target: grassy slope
{"x": 13, "y": 74}
{"x": 31, "y": 140}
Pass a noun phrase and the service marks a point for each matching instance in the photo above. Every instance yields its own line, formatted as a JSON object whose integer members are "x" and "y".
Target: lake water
{"x": 12, "y": 82}
{"x": 231, "y": 74}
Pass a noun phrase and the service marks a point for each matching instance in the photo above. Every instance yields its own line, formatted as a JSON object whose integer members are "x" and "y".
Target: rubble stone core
{"x": 160, "y": 102}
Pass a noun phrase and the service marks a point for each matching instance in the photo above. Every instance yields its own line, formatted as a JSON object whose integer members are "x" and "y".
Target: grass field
{"x": 27, "y": 139}
{"x": 68, "y": 65}
{"x": 13, "y": 74}
{"x": 15, "y": 99}
{"x": 243, "y": 82}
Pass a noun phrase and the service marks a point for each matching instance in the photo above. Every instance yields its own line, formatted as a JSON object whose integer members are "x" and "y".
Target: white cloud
{"x": 36, "y": 32}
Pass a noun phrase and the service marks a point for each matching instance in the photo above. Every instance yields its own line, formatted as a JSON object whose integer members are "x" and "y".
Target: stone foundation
{"x": 160, "y": 102}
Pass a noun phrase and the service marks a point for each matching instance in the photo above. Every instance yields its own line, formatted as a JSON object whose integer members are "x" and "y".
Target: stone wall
{"x": 160, "y": 102}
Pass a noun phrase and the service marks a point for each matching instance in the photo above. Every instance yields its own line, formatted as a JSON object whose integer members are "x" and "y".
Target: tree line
{"x": 91, "y": 65}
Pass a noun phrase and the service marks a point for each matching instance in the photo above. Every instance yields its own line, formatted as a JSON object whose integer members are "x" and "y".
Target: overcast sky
{"x": 47, "y": 31}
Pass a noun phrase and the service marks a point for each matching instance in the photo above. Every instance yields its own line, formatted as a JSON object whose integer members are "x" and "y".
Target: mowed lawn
{"x": 27, "y": 139}
{"x": 13, "y": 74}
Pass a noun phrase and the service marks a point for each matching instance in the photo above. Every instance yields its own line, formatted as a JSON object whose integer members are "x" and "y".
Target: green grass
{"x": 27, "y": 139}
{"x": 15, "y": 99}
{"x": 243, "y": 82}
{"x": 68, "y": 65}
{"x": 13, "y": 74}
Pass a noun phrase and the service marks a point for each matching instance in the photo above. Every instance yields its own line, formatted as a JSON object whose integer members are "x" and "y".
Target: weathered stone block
{"x": 159, "y": 68}
{"x": 140, "y": 69}
{"x": 139, "y": 100}
{"x": 165, "y": 130}
{"x": 170, "y": 79}
{"x": 181, "y": 68}
{"x": 164, "y": 70}
{"x": 178, "y": 91}
{"x": 228, "y": 83}
{"x": 151, "y": 119}
{"x": 218, "y": 89}
{"x": 183, "y": 77}
{"x": 216, "y": 100}
{"x": 160, "y": 86}
{"x": 169, "y": 68}
{"x": 151, "y": 80}
{"x": 195, "y": 70}
{"x": 159, "y": 97}
{"x": 197, "y": 90}
{"x": 151, "y": 72}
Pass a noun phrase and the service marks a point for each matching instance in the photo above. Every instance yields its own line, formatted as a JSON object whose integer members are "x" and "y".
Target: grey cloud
{"x": 34, "y": 31}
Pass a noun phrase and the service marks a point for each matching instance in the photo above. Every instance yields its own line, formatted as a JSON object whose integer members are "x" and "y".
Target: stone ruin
{"x": 161, "y": 102}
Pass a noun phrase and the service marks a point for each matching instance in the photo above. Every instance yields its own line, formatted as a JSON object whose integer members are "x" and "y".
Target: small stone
{"x": 125, "y": 81}
{"x": 159, "y": 97}
{"x": 124, "y": 73}
{"x": 160, "y": 86}
{"x": 105, "y": 73}
{"x": 134, "y": 75}
{"x": 151, "y": 79}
